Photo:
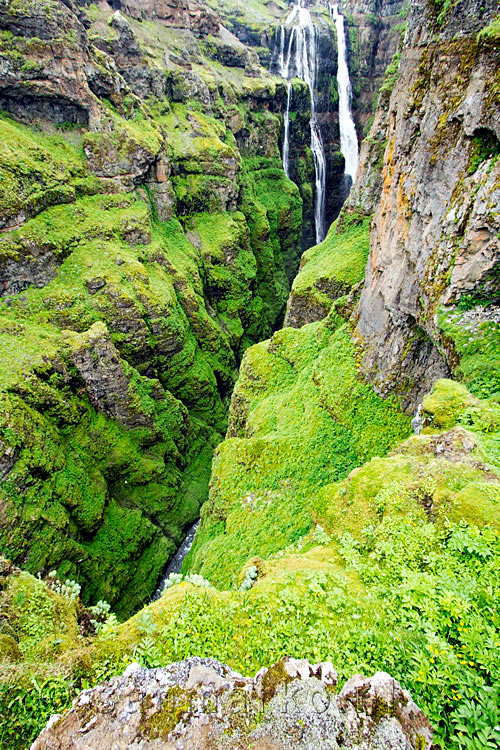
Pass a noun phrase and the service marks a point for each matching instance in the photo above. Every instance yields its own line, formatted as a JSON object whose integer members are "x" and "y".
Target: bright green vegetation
{"x": 145, "y": 256}
{"x": 401, "y": 573}
{"x": 300, "y": 419}
{"x": 104, "y": 471}
{"x": 492, "y": 31}
{"x": 485, "y": 145}
{"x": 251, "y": 13}
{"x": 272, "y": 203}
{"x": 329, "y": 270}
{"x": 477, "y": 344}
{"x": 391, "y": 76}
{"x": 36, "y": 171}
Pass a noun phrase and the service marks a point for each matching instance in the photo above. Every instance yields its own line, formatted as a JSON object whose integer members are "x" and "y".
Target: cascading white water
{"x": 300, "y": 61}
{"x": 348, "y": 137}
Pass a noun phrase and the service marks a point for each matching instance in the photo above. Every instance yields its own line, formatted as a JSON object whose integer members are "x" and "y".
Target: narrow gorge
{"x": 249, "y": 374}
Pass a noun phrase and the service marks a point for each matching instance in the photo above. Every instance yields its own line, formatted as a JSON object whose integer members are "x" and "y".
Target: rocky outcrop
{"x": 177, "y": 14}
{"x": 434, "y": 239}
{"x": 53, "y": 85}
{"x": 106, "y": 382}
{"x": 202, "y": 703}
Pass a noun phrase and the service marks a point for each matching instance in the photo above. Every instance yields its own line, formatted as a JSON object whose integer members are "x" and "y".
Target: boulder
{"x": 201, "y": 703}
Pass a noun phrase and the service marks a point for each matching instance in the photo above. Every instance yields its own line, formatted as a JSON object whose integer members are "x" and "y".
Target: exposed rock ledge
{"x": 201, "y": 704}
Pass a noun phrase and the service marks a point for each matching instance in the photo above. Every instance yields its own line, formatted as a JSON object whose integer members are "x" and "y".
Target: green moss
{"x": 485, "y": 145}
{"x": 391, "y": 76}
{"x": 200, "y": 144}
{"x": 492, "y": 31}
{"x": 381, "y": 709}
{"x": 298, "y": 395}
{"x": 36, "y": 170}
{"x": 445, "y": 403}
{"x": 329, "y": 270}
{"x": 273, "y": 210}
{"x": 9, "y": 649}
{"x": 476, "y": 345}
{"x": 275, "y": 677}
{"x": 121, "y": 142}
{"x": 175, "y": 707}
{"x": 99, "y": 498}
{"x": 44, "y": 623}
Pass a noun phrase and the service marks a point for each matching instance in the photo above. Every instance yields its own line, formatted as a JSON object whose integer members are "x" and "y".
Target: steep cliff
{"x": 429, "y": 175}
{"x": 434, "y": 247}
{"x": 375, "y": 28}
{"x": 148, "y": 236}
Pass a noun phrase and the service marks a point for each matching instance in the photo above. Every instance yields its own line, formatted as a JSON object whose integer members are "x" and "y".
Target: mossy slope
{"x": 330, "y": 270}
{"x": 300, "y": 419}
{"x": 140, "y": 259}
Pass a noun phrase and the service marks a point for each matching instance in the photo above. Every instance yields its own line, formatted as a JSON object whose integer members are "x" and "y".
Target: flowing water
{"x": 298, "y": 59}
{"x": 348, "y": 137}
{"x": 175, "y": 563}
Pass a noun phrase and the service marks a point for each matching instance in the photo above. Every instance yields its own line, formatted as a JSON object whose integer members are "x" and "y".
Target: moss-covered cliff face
{"x": 429, "y": 178}
{"x": 149, "y": 236}
{"x": 147, "y": 241}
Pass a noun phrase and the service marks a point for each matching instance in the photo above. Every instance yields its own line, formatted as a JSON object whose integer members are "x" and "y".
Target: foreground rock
{"x": 200, "y": 703}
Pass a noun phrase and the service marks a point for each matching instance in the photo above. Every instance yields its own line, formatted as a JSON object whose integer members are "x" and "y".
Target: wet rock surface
{"x": 201, "y": 703}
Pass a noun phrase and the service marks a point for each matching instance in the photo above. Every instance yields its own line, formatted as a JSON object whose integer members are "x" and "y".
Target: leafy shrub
{"x": 25, "y": 707}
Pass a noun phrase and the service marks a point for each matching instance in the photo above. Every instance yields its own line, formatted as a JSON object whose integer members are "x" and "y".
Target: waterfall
{"x": 300, "y": 60}
{"x": 348, "y": 137}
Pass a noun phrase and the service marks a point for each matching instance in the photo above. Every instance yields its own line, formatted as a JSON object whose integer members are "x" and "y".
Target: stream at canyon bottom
{"x": 175, "y": 563}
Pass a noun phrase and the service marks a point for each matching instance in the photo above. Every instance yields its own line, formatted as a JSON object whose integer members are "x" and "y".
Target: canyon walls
{"x": 149, "y": 236}
{"x": 434, "y": 248}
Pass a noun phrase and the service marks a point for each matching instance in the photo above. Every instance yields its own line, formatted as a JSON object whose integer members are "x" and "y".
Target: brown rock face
{"x": 179, "y": 14}
{"x": 435, "y": 233}
{"x": 201, "y": 704}
{"x": 103, "y": 373}
{"x": 54, "y": 85}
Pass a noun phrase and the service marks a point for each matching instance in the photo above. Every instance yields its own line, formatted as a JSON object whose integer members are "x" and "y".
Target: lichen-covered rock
{"x": 434, "y": 240}
{"x": 200, "y": 703}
